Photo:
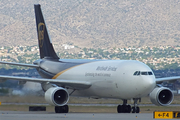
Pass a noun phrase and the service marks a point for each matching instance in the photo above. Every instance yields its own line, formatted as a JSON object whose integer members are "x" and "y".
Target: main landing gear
{"x": 62, "y": 109}
{"x": 125, "y": 108}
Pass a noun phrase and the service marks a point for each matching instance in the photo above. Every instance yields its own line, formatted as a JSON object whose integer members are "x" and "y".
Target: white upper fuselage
{"x": 123, "y": 79}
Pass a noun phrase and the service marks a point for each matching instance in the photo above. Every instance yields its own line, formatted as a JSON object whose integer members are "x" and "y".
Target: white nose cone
{"x": 148, "y": 84}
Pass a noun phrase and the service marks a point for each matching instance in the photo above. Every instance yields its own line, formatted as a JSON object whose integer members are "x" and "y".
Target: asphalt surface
{"x": 20, "y": 115}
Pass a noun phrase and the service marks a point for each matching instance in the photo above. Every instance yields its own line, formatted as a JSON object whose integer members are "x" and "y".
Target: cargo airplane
{"x": 117, "y": 79}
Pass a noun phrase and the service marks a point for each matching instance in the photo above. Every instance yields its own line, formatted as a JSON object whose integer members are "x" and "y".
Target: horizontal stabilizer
{"x": 19, "y": 64}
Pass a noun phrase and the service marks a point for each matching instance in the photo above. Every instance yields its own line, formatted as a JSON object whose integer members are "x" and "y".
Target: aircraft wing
{"x": 169, "y": 79}
{"x": 73, "y": 84}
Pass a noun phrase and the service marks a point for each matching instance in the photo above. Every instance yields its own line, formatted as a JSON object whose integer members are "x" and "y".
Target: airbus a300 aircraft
{"x": 119, "y": 79}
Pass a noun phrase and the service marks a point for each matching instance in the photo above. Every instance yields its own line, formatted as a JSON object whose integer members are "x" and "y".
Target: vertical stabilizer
{"x": 45, "y": 46}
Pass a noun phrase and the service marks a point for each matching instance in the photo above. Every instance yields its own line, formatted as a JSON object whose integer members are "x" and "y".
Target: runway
{"x": 18, "y": 115}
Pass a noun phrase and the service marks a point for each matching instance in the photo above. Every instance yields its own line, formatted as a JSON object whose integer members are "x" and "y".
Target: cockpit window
{"x": 143, "y": 73}
{"x": 150, "y": 73}
{"x": 135, "y": 73}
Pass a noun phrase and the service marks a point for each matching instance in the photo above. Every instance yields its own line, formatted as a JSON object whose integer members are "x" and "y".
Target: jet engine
{"x": 161, "y": 96}
{"x": 57, "y": 96}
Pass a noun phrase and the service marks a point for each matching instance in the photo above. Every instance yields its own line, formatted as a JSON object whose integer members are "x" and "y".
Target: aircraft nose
{"x": 150, "y": 83}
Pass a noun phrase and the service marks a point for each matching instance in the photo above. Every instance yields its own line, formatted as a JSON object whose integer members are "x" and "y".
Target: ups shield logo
{"x": 41, "y": 28}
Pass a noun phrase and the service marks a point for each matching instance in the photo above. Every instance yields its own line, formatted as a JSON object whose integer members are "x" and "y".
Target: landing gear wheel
{"x": 58, "y": 109}
{"x": 124, "y": 109}
{"x": 135, "y": 110}
{"x": 65, "y": 109}
{"x": 119, "y": 109}
{"x": 128, "y": 108}
{"x": 62, "y": 109}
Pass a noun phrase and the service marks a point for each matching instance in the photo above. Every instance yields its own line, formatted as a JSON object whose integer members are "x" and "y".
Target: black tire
{"x": 137, "y": 110}
{"x": 133, "y": 109}
{"x": 128, "y": 108}
{"x": 62, "y": 109}
{"x": 58, "y": 109}
{"x": 119, "y": 109}
{"x": 65, "y": 109}
{"x": 124, "y": 109}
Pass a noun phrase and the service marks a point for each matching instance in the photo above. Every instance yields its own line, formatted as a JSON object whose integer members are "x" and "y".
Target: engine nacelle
{"x": 57, "y": 96}
{"x": 161, "y": 96}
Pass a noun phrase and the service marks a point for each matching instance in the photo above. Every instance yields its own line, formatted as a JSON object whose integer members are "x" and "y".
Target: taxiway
{"x": 18, "y": 115}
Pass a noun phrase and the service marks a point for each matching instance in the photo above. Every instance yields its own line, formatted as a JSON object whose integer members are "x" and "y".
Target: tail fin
{"x": 45, "y": 46}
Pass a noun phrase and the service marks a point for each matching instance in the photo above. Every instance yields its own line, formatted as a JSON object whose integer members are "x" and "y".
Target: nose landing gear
{"x": 125, "y": 108}
{"x": 135, "y": 109}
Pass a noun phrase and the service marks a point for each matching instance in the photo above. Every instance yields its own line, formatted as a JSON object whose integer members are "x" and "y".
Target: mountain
{"x": 93, "y": 23}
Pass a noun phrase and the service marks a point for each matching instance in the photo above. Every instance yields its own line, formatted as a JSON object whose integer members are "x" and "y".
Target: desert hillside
{"x": 93, "y": 23}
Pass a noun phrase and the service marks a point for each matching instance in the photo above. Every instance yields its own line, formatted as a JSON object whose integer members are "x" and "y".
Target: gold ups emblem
{"x": 41, "y": 28}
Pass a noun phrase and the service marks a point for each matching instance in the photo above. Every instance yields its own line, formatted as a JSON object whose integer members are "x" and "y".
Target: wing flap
{"x": 169, "y": 79}
{"x": 73, "y": 84}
